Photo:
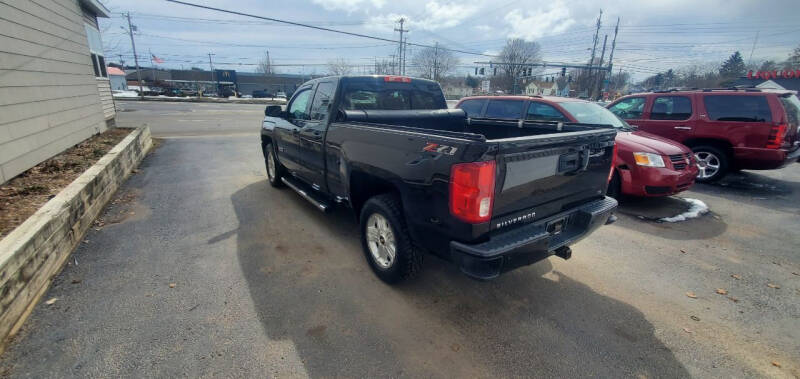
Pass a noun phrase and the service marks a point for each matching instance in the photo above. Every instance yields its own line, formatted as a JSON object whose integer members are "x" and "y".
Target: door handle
{"x": 683, "y": 127}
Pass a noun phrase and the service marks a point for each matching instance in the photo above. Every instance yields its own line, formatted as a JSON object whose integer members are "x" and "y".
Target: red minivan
{"x": 728, "y": 129}
{"x": 646, "y": 165}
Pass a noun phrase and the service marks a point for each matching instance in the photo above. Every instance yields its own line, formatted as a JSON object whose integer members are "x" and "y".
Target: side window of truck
{"x": 747, "y": 108}
{"x": 506, "y": 109}
{"x": 544, "y": 112}
{"x": 472, "y": 107}
{"x": 671, "y": 108}
{"x": 629, "y": 109}
{"x": 320, "y": 107}
{"x": 299, "y": 106}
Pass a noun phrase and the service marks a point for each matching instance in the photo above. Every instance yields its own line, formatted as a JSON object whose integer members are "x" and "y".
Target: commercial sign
{"x": 775, "y": 74}
{"x": 485, "y": 86}
{"x": 225, "y": 76}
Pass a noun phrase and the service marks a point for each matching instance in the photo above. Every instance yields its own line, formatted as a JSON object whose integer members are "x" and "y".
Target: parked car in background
{"x": 281, "y": 95}
{"x": 259, "y": 94}
{"x": 728, "y": 129}
{"x": 646, "y": 165}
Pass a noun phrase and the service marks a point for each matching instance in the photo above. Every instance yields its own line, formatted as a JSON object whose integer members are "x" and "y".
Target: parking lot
{"x": 200, "y": 268}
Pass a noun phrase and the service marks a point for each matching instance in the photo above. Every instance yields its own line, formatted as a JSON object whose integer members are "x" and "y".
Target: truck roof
{"x": 391, "y": 78}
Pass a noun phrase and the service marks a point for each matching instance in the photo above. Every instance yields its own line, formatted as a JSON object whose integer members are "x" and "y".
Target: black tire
{"x": 614, "y": 186}
{"x": 713, "y": 155}
{"x": 274, "y": 180}
{"x": 408, "y": 258}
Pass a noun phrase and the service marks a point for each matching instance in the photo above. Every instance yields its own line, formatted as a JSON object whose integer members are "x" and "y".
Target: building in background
{"x": 54, "y": 86}
{"x": 117, "y": 79}
{"x": 779, "y": 79}
{"x": 221, "y": 80}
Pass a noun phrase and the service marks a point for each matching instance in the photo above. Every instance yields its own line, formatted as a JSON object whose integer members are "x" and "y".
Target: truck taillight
{"x": 613, "y": 163}
{"x": 394, "y": 78}
{"x": 775, "y": 139}
{"x": 472, "y": 191}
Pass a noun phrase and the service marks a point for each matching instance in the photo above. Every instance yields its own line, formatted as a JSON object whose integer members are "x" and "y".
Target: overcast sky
{"x": 653, "y": 35}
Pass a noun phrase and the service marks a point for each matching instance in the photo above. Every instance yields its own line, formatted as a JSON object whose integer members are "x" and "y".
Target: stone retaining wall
{"x": 33, "y": 253}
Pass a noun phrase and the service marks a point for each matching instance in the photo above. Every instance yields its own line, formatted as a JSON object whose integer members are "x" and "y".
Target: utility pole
{"x": 611, "y": 55}
{"x": 594, "y": 49}
{"x": 750, "y": 61}
{"x": 402, "y": 47}
{"x": 135, "y": 58}
{"x": 211, "y": 65}
{"x": 121, "y": 61}
{"x": 436, "y": 62}
{"x": 600, "y": 71}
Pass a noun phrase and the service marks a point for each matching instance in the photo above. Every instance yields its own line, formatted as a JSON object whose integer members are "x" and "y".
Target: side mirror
{"x": 273, "y": 111}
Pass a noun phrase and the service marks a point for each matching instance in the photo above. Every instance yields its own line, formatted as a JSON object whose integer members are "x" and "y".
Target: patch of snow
{"x": 125, "y": 94}
{"x": 696, "y": 209}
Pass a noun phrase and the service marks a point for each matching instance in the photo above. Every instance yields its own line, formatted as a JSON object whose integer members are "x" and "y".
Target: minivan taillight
{"x": 775, "y": 139}
{"x": 472, "y": 191}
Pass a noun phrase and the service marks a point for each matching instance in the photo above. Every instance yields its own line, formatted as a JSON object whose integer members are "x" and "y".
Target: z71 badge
{"x": 436, "y": 148}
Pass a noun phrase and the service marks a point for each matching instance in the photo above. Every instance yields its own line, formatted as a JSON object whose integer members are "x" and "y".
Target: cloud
{"x": 436, "y": 16}
{"x": 348, "y": 5}
{"x": 535, "y": 24}
{"x": 483, "y": 28}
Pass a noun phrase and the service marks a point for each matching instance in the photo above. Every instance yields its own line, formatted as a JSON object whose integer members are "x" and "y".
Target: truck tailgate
{"x": 543, "y": 175}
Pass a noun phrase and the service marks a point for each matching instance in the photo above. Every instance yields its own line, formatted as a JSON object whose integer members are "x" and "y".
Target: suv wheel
{"x": 712, "y": 162}
{"x": 274, "y": 169}
{"x": 385, "y": 240}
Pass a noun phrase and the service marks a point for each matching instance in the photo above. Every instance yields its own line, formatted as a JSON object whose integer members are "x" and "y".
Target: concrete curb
{"x": 201, "y": 100}
{"x": 33, "y": 253}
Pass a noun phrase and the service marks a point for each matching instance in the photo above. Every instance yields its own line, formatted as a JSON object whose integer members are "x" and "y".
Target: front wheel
{"x": 386, "y": 241}
{"x": 712, "y": 163}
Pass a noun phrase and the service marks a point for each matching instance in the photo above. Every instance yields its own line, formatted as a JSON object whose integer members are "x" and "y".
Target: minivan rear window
{"x": 508, "y": 109}
{"x": 472, "y": 107}
{"x": 742, "y": 108}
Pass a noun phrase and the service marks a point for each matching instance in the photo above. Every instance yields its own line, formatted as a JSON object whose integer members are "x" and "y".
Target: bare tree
{"x": 264, "y": 65}
{"x": 433, "y": 62}
{"x": 383, "y": 67}
{"x": 339, "y": 66}
{"x": 515, "y": 55}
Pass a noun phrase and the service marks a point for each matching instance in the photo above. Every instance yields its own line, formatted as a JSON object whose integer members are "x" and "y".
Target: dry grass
{"x": 23, "y": 195}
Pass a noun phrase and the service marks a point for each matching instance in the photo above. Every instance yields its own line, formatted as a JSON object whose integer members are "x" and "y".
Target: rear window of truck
{"x": 376, "y": 94}
{"x": 738, "y": 108}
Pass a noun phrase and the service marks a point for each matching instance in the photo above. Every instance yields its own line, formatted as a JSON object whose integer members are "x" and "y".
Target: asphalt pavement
{"x": 199, "y": 268}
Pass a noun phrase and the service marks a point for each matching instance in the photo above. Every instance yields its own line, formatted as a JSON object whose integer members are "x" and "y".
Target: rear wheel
{"x": 274, "y": 169}
{"x": 386, "y": 241}
{"x": 712, "y": 163}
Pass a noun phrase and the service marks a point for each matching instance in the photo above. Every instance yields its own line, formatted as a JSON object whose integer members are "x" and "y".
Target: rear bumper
{"x": 530, "y": 243}
{"x": 764, "y": 159}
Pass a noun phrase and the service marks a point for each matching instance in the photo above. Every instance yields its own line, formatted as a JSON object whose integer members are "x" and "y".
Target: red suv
{"x": 646, "y": 165}
{"x": 728, "y": 129}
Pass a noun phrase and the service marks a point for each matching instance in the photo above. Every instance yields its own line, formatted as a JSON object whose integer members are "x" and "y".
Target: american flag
{"x": 156, "y": 59}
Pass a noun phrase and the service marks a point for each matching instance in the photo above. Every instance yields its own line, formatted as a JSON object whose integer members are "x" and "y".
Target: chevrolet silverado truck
{"x": 489, "y": 195}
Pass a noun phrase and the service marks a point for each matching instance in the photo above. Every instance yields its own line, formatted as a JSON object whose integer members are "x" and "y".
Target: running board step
{"x": 306, "y": 193}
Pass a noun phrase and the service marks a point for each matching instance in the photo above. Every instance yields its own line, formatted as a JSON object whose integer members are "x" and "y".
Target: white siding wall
{"x": 104, "y": 88}
{"x": 49, "y": 97}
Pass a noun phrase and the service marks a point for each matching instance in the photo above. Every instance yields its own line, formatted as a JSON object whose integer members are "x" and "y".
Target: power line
{"x": 322, "y": 28}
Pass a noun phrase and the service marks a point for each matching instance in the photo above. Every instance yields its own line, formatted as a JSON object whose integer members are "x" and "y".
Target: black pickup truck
{"x": 421, "y": 178}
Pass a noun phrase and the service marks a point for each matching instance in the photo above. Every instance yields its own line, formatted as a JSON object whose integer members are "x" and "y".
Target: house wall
{"x": 49, "y": 97}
